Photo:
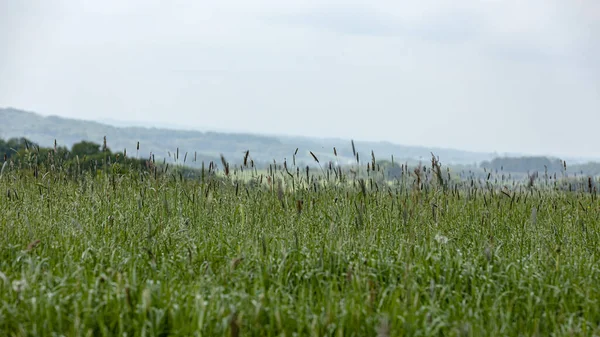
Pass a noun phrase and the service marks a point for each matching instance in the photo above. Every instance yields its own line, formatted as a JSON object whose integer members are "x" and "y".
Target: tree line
{"x": 82, "y": 156}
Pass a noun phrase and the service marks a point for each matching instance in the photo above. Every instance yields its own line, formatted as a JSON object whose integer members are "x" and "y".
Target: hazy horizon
{"x": 484, "y": 76}
{"x": 178, "y": 127}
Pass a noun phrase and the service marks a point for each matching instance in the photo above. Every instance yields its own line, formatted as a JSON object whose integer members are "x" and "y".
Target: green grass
{"x": 104, "y": 255}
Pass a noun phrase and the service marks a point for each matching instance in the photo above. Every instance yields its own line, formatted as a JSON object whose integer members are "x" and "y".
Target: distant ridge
{"x": 209, "y": 145}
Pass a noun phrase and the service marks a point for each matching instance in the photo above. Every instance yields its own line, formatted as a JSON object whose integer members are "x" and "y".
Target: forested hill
{"x": 208, "y": 146}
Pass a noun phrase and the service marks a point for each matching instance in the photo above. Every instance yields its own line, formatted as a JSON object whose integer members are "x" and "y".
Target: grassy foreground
{"x": 139, "y": 255}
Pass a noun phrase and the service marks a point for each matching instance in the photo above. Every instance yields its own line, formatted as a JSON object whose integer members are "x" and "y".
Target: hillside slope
{"x": 209, "y": 145}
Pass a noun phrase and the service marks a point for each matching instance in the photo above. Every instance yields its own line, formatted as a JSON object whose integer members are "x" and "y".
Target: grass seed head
{"x": 299, "y": 204}
{"x": 32, "y": 245}
{"x": 383, "y": 328}
{"x": 236, "y": 262}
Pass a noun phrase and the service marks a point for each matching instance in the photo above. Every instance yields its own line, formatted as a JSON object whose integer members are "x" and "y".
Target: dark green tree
{"x": 85, "y": 148}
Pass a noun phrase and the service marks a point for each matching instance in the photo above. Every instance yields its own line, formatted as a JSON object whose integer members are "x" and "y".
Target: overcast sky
{"x": 495, "y": 75}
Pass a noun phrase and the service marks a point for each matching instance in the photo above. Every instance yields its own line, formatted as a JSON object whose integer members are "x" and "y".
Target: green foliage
{"x": 85, "y": 156}
{"x": 12, "y": 146}
{"x": 535, "y": 165}
{"x": 151, "y": 253}
{"x": 85, "y": 148}
{"x": 524, "y": 164}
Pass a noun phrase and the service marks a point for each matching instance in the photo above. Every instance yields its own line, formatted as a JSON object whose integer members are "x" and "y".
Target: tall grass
{"x": 281, "y": 253}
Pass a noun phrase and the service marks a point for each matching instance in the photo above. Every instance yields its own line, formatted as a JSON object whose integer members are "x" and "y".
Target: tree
{"x": 85, "y": 148}
{"x": 524, "y": 164}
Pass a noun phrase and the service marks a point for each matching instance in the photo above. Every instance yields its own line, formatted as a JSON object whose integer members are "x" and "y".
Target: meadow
{"x": 294, "y": 252}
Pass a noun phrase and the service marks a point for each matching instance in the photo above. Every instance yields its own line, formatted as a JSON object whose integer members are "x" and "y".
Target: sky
{"x": 487, "y": 75}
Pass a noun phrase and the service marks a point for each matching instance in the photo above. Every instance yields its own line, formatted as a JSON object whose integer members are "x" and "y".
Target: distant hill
{"x": 209, "y": 145}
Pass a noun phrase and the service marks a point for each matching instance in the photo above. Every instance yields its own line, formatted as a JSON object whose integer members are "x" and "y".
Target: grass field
{"x": 101, "y": 254}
